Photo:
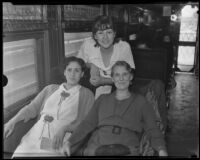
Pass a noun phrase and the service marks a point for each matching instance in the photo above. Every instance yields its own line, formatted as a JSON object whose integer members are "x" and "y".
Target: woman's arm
{"x": 96, "y": 79}
{"x": 89, "y": 123}
{"x": 33, "y": 109}
{"x": 28, "y": 112}
{"x": 100, "y": 81}
{"x": 157, "y": 138}
{"x": 86, "y": 100}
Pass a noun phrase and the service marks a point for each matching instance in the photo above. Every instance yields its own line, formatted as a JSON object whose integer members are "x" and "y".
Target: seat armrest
{"x": 11, "y": 142}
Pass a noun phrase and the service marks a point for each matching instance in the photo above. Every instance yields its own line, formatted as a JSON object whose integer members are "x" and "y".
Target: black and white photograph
{"x": 100, "y": 80}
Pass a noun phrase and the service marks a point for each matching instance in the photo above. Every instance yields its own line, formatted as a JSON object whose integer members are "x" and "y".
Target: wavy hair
{"x": 101, "y": 23}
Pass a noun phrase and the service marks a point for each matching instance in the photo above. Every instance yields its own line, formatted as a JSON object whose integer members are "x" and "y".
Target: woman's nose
{"x": 73, "y": 73}
{"x": 121, "y": 78}
{"x": 105, "y": 35}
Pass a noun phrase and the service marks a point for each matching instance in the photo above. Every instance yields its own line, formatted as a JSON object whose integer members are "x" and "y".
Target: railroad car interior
{"x": 164, "y": 40}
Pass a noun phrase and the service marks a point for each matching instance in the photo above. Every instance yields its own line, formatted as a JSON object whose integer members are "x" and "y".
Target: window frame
{"x": 42, "y": 62}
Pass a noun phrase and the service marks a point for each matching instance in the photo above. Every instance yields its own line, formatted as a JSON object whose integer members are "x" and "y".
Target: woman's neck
{"x": 122, "y": 94}
{"x": 68, "y": 86}
{"x": 107, "y": 50}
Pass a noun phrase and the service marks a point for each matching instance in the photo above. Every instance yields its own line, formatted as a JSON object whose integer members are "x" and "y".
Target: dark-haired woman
{"x": 102, "y": 51}
{"x": 61, "y": 109}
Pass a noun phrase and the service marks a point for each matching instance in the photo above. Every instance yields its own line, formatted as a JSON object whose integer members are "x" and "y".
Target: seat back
{"x": 151, "y": 64}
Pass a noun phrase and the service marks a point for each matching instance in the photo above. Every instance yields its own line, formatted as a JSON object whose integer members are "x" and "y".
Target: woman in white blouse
{"x": 102, "y": 51}
{"x": 60, "y": 108}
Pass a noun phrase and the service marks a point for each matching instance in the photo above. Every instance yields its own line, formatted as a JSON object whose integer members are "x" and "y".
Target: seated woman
{"x": 102, "y": 51}
{"x": 61, "y": 109}
{"x": 116, "y": 121}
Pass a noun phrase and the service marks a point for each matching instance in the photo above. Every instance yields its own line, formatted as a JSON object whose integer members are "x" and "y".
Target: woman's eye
{"x": 77, "y": 70}
{"x": 100, "y": 33}
{"x": 69, "y": 69}
{"x": 126, "y": 74}
{"x": 116, "y": 75}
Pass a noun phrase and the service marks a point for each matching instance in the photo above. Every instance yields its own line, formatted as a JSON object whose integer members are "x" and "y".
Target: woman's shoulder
{"x": 139, "y": 97}
{"x": 122, "y": 44}
{"x": 86, "y": 91}
{"x": 89, "y": 42}
{"x": 51, "y": 87}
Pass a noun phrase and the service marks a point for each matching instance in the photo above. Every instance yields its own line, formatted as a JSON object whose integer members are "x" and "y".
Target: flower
{"x": 48, "y": 118}
{"x": 64, "y": 95}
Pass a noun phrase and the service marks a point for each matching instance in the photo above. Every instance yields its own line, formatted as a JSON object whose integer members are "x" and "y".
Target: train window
{"x": 19, "y": 65}
{"x": 187, "y": 38}
{"x": 73, "y": 42}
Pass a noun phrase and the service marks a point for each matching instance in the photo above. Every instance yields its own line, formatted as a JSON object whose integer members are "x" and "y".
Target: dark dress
{"x": 113, "y": 121}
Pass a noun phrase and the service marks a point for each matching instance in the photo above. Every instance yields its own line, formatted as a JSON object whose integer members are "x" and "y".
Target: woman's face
{"x": 121, "y": 77}
{"x": 73, "y": 73}
{"x": 105, "y": 38}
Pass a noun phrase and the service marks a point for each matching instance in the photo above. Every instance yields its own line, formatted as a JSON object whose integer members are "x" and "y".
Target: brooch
{"x": 64, "y": 95}
{"x": 48, "y": 118}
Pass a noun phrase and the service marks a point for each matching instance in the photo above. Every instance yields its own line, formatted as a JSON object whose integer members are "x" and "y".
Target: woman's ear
{"x": 82, "y": 74}
{"x": 114, "y": 34}
{"x": 131, "y": 77}
{"x": 95, "y": 36}
{"x": 65, "y": 72}
{"x": 112, "y": 79}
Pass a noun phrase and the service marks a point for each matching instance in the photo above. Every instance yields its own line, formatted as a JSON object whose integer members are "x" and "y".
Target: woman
{"x": 116, "y": 121}
{"x": 102, "y": 51}
{"x": 61, "y": 109}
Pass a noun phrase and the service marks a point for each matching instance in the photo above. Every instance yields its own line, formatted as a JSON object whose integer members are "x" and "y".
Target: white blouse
{"x": 91, "y": 54}
{"x": 63, "y": 111}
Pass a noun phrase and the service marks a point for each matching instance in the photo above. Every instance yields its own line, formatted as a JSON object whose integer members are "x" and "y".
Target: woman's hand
{"x": 9, "y": 128}
{"x": 96, "y": 81}
{"x": 162, "y": 153}
{"x": 151, "y": 97}
{"x": 95, "y": 78}
{"x": 66, "y": 149}
{"x": 94, "y": 70}
{"x": 58, "y": 139}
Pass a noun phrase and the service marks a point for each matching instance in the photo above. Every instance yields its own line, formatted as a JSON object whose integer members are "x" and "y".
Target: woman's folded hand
{"x": 58, "y": 139}
{"x": 66, "y": 149}
{"x": 162, "y": 153}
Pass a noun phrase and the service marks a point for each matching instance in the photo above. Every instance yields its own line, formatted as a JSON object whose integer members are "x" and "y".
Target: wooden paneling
{"x": 24, "y": 17}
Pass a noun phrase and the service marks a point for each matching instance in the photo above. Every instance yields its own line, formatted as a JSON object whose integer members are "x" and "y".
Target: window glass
{"x": 73, "y": 42}
{"x": 19, "y": 66}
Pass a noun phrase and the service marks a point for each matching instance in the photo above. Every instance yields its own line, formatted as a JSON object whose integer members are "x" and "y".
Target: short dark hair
{"x": 101, "y": 23}
{"x": 124, "y": 64}
{"x": 68, "y": 60}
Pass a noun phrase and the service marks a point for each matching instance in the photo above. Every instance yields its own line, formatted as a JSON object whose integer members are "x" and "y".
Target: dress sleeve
{"x": 149, "y": 117}
{"x": 127, "y": 55}
{"x": 89, "y": 123}
{"x": 33, "y": 109}
{"x": 85, "y": 104}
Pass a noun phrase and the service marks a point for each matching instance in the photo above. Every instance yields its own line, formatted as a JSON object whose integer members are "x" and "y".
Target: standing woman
{"x": 116, "y": 121}
{"x": 102, "y": 51}
{"x": 60, "y": 109}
